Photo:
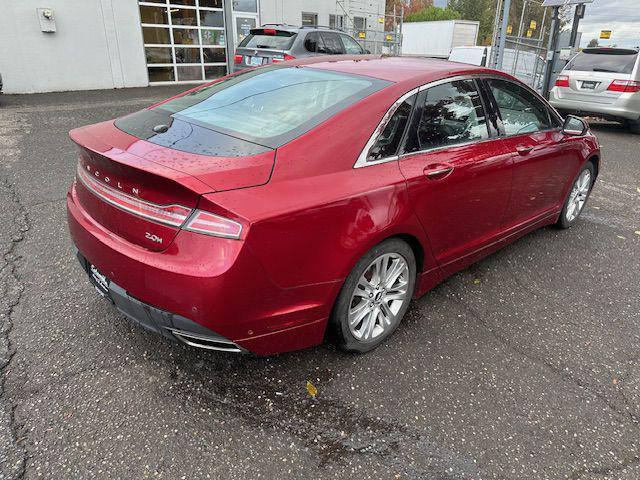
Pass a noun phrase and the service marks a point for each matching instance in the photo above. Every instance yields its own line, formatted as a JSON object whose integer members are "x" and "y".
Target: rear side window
{"x": 331, "y": 44}
{"x": 351, "y": 47}
{"x": 521, "y": 111}
{"x": 387, "y": 143}
{"x": 622, "y": 61}
{"x": 270, "y": 106}
{"x": 279, "y": 41}
{"x": 452, "y": 113}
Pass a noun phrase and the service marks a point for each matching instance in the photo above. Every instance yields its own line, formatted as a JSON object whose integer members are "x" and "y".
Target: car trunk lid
{"x": 143, "y": 192}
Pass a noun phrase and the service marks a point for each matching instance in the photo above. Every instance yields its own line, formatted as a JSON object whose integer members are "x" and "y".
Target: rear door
{"x": 592, "y": 72}
{"x": 542, "y": 161}
{"x": 457, "y": 172}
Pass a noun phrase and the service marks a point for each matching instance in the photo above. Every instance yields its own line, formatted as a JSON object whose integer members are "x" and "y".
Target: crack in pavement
{"x": 13, "y": 463}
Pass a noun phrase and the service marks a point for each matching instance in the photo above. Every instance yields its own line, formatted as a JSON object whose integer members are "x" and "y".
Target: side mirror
{"x": 575, "y": 126}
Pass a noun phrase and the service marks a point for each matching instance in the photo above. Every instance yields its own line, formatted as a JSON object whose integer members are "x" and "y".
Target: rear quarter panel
{"x": 318, "y": 215}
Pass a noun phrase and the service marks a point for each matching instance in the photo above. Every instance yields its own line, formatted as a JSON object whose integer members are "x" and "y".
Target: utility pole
{"x": 503, "y": 33}
{"x": 551, "y": 51}
{"x": 579, "y": 14}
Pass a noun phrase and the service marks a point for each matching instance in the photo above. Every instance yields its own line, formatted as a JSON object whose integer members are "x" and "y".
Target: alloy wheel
{"x": 378, "y": 296}
{"x": 578, "y": 195}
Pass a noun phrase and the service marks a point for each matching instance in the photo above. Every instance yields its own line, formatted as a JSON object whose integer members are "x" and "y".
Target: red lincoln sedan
{"x": 262, "y": 211}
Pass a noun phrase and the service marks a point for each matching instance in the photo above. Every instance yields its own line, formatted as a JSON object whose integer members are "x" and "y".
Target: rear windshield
{"x": 278, "y": 41}
{"x": 601, "y": 61}
{"x": 273, "y": 105}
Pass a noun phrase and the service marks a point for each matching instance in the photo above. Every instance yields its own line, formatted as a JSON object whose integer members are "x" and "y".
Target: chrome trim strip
{"x": 362, "y": 158}
{"x": 82, "y": 173}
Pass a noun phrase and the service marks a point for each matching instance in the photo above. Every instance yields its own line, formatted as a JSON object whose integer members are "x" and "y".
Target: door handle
{"x": 437, "y": 171}
{"x": 522, "y": 150}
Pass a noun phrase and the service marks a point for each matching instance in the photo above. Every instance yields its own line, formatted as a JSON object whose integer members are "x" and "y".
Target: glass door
{"x": 245, "y": 18}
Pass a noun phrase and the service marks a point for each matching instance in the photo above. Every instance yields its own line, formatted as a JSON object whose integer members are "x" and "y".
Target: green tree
{"x": 431, "y": 14}
{"x": 593, "y": 43}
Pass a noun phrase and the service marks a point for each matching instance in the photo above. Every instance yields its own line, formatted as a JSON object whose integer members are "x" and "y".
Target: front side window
{"x": 387, "y": 143}
{"x": 452, "y": 113}
{"x": 351, "y": 47}
{"x": 521, "y": 111}
{"x": 270, "y": 106}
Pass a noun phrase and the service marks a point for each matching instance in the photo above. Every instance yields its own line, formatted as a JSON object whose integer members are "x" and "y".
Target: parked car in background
{"x": 601, "y": 82}
{"x": 274, "y": 43}
{"x": 257, "y": 212}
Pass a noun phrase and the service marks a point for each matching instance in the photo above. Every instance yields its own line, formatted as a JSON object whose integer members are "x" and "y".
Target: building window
{"x": 309, "y": 19}
{"x": 184, "y": 40}
{"x": 359, "y": 24}
{"x": 336, "y": 21}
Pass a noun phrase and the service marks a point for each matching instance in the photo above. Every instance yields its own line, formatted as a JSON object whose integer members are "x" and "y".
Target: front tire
{"x": 375, "y": 296}
{"x": 577, "y": 197}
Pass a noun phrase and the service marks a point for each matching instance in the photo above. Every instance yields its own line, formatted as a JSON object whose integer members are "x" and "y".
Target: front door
{"x": 542, "y": 160}
{"x": 458, "y": 176}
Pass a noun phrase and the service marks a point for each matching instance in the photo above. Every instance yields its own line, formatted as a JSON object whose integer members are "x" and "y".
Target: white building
{"x": 53, "y": 45}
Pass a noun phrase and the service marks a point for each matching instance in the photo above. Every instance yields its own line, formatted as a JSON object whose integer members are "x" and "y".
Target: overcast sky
{"x": 622, "y": 17}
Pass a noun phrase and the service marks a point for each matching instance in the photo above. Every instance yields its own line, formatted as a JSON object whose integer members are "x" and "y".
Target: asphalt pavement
{"x": 524, "y": 366}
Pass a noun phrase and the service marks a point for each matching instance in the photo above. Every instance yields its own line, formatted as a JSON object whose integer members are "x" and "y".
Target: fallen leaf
{"x": 313, "y": 391}
{"x": 637, "y": 232}
{"x": 638, "y": 189}
{"x": 621, "y": 237}
{"x": 593, "y": 206}
{"x": 476, "y": 281}
{"x": 615, "y": 381}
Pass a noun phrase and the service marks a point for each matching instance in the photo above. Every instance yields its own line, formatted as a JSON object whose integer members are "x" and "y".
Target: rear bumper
{"x": 203, "y": 285}
{"x": 167, "y": 324}
{"x": 621, "y": 110}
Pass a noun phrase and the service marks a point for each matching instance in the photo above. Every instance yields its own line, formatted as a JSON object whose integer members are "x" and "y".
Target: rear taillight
{"x": 624, "y": 86}
{"x": 562, "y": 81}
{"x": 172, "y": 215}
{"x": 269, "y": 31}
{"x": 237, "y": 59}
{"x": 282, "y": 59}
{"x": 211, "y": 224}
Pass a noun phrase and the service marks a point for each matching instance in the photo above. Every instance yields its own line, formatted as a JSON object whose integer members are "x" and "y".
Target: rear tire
{"x": 375, "y": 296}
{"x": 577, "y": 196}
{"x": 634, "y": 127}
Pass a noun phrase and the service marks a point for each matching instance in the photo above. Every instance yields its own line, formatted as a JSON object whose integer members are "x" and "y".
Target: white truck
{"x": 437, "y": 39}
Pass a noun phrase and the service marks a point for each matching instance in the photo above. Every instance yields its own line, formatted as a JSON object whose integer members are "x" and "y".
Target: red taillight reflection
{"x": 237, "y": 59}
{"x": 282, "y": 59}
{"x": 210, "y": 224}
{"x": 172, "y": 215}
{"x": 624, "y": 86}
{"x": 562, "y": 81}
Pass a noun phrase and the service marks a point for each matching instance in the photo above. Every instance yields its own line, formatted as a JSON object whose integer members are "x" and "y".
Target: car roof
{"x": 410, "y": 70}
{"x": 297, "y": 29}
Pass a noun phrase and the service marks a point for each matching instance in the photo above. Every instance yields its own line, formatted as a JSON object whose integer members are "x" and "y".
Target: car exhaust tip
{"x": 206, "y": 342}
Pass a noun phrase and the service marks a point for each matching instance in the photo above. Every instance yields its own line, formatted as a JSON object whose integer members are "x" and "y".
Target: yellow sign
{"x": 380, "y": 19}
{"x": 529, "y": 33}
{"x": 533, "y": 25}
{"x": 605, "y": 34}
{"x": 389, "y": 37}
{"x": 362, "y": 35}
{"x": 509, "y": 29}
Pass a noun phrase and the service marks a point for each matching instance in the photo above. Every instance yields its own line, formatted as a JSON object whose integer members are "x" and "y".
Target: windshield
{"x": 599, "y": 61}
{"x": 273, "y": 105}
{"x": 276, "y": 42}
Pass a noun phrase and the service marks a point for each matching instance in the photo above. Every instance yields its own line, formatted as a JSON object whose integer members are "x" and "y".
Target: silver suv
{"x": 601, "y": 82}
{"x": 272, "y": 43}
